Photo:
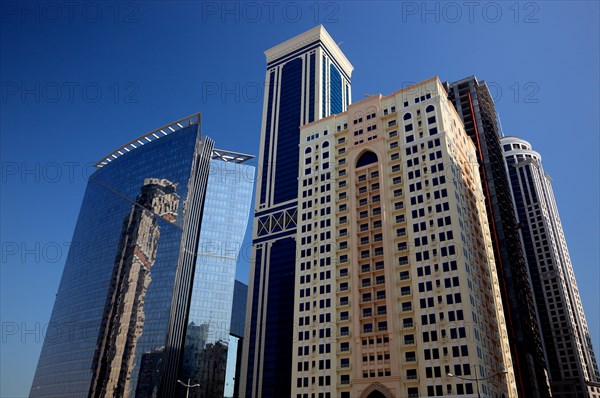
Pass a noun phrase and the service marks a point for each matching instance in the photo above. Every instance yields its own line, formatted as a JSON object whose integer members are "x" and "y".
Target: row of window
{"x": 322, "y": 364}
{"x": 322, "y": 380}
{"x": 461, "y": 389}
{"x": 324, "y": 348}
{"x": 315, "y": 136}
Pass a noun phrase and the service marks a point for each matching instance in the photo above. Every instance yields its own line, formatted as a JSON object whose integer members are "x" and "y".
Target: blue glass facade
{"x": 119, "y": 320}
{"x": 224, "y": 220}
{"x": 288, "y": 136}
{"x": 335, "y": 91}
{"x": 277, "y": 362}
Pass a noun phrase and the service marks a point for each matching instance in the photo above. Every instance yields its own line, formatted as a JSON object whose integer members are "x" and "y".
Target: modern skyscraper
{"x": 396, "y": 293}
{"x": 147, "y": 287}
{"x": 568, "y": 346}
{"x": 475, "y": 106}
{"x": 224, "y": 220}
{"x": 308, "y": 78}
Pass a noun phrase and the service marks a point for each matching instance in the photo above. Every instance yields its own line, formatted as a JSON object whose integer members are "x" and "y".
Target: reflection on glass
{"x": 232, "y": 366}
{"x": 204, "y": 363}
{"x": 149, "y": 375}
{"x": 144, "y": 298}
{"x": 224, "y": 221}
{"x": 128, "y": 241}
{"x": 123, "y": 320}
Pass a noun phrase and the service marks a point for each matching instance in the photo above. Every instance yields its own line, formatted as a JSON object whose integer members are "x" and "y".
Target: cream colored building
{"x": 395, "y": 277}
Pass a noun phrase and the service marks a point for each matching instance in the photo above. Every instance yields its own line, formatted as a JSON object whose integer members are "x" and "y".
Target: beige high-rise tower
{"x": 396, "y": 293}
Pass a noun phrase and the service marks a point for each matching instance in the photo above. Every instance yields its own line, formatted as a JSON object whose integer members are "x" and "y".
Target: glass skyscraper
{"x": 129, "y": 316}
{"x": 224, "y": 220}
{"x": 308, "y": 78}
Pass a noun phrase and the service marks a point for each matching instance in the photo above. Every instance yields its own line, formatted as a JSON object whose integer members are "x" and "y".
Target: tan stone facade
{"x": 395, "y": 276}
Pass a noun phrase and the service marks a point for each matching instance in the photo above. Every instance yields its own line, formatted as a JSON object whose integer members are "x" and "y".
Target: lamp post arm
{"x": 479, "y": 378}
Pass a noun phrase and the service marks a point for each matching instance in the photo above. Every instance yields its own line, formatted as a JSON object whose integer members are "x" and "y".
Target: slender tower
{"x": 308, "y": 78}
{"x": 568, "y": 346}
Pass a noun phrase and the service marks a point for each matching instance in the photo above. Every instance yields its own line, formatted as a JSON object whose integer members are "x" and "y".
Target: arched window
{"x": 308, "y": 150}
{"x": 407, "y": 116}
{"x": 326, "y": 144}
{"x": 429, "y": 108}
{"x": 366, "y": 158}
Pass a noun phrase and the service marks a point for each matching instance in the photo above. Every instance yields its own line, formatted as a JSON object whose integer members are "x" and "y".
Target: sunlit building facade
{"x": 146, "y": 293}
{"x": 396, "y": 293}
{"x": 573, "y": 369}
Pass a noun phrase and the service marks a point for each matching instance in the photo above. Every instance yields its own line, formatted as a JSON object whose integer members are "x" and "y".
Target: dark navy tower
{"x": 308, "y": 78}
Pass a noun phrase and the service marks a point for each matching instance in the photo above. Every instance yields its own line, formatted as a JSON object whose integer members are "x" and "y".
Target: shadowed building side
{"x": 475, "y": 106}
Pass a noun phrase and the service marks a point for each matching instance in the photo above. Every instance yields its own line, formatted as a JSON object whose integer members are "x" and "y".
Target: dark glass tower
{"x": 135, "y": 280}
{"x": 308, "y": 78}
{"x": 475, "y": 106}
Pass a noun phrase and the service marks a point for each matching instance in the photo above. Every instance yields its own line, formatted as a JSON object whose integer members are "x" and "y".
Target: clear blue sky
{"x": 80, "y": 80}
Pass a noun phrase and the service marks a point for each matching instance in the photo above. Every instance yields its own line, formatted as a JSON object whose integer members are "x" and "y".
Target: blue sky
{"x": 80, "y": 79}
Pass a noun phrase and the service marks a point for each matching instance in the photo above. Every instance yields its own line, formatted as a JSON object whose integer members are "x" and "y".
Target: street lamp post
{"x": 188, "y": 386}
{"x": 477, "y": 379}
